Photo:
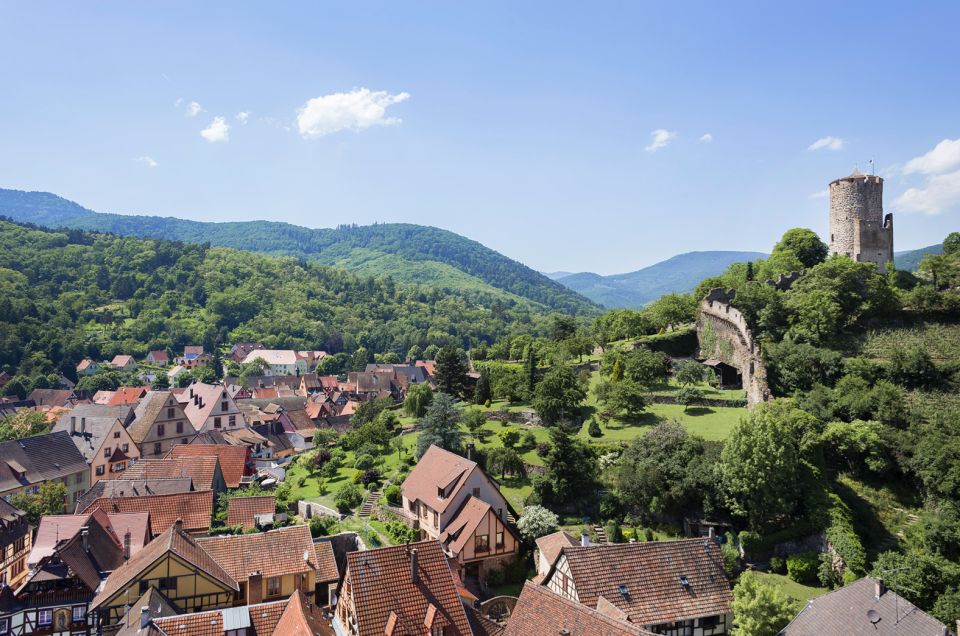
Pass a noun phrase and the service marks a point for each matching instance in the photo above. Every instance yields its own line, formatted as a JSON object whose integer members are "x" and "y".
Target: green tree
{"x": 951, "y": 244}
{"x": 361, "y": 357}
{"x": 441, "y": 426}
{"x": 558, "y": 395}
{"x": 414, "y": 353}
{"x": 48, "y": 500}
{"x": 418, "y": 399}
{"x": 368, "y": 411}
{"x": 537, "y": 521}
{"x": 348, "y": 497}
{"x": 23, "y": 423}
{"x": 688, "y": 395}
{"x": 509, "y": 437}
{"x": 506, "y": 461}
{"x": 451, "y": 371}
{"x": 688, "y": 372}
{"x": 474, "y": 419}
{"x": 671, "y": 310}
{"x": 759, "y": 608}
{"x": 593, "y": 429}
{"x": 805, "y": 245}
{"x": 571, "y": 468}
{"x": 625, "y": 398}
{"x": 483, "y": 392}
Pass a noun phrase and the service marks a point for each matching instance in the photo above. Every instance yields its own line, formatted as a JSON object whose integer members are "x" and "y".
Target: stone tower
{"x": 858, "y": 227}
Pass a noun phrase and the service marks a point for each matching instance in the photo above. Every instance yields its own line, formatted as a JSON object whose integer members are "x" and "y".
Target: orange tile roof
{"x": 438, "y": 468}
{"x": 202, "y": 470}
{"x": 242, "y": 510}
{"x": 462, "y": 527}
{"x": 327, "y": 570}
{"x": 127, "y": 395}
{"x": 194, "y": 508}
{"x": 651, "y": 572}
{"x": 540, "y": 612}
{"x": 233, "y": 459}
{"x": 551, "y": 545}
{"x": 274, "y": 553}
{"x": 382, "y": 584}
{"x": 56, "y": 528}
{"x": 302, "y": 618}
{"x": 295, "y": 616}
{"x": 174, "y": 540}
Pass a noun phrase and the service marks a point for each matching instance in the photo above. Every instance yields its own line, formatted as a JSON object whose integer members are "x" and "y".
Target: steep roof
{"x": 327, "y": 570}
{"x": 129, "y": 395}
{"x": 56, "y": 528}
{"x": 233, "y": 459}
{"x": 199, "y": 400}
{"x": 158, "y": 605}
{"x": 173, "y": 540}
{"x": 121, "y": 360}
{"x": 438, "y": 468}
{"x": 540, "y": 612}
{"x": 148, "y": 411}
{"x": 202, "y": 470}
{"x": 39, "y": 458}
{"x": 302, "y": 618}
{"x": 274, "y": 553}
{"x": 241, "y": 511}
{"x": 551, "y": 545}
{"x": 460, "y": 530}
{"x": 124, "y": 487}
{"x": 89, "y": 424}
{"x": 653, "y": 573}
{"x": 844, "y": 611}
{"x": 295, "y": 616}
{"x": 50, "y": 397}
{"x": 194, "y": 508}
{"x": 384, "y": 591}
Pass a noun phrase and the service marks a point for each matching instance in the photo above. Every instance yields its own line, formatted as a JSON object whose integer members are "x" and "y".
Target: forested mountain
{"x": 70, "y": 294}
{"x": 408, "y": 253}
{"x": 909, "y": 260}
{"x": 680, "y": 273}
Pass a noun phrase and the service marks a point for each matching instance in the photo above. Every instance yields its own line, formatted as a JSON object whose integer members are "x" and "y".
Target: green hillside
{"x": 408, "y": 253}
{"x": 909, "y": 260}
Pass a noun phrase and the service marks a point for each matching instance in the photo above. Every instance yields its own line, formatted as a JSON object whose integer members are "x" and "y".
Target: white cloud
{"x": 706, "y": 138}
{"x": 944, "y": 156}
{"x": 218, "y": 130}
{"x": 360, "y": 108}
{"x": 940, "y": 193}
{"x": 828, "y": 143}
{"x": 660, "y": 139}
{"x": 194, "y": 109}
{"x": 148, "y": 161}
{"x": 243, "y": 116}
{"x": 822, "y": 194}
{"x": 177, "y": 103}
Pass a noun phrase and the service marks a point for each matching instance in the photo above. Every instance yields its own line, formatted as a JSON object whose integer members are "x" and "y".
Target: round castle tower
{"x": 858, "y": 227}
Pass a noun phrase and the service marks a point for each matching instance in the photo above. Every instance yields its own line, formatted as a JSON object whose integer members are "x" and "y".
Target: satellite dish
{"x": 874, "y": 617}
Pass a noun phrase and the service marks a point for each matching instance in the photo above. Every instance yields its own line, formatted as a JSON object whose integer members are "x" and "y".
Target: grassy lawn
{"x": 797, "y": 591}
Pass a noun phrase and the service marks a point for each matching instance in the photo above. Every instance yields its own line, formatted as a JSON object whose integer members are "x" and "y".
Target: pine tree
{"x": 482, "y": 393}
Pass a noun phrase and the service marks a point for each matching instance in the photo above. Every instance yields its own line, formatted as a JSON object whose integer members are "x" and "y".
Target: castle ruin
{"x": 858, "y": 227}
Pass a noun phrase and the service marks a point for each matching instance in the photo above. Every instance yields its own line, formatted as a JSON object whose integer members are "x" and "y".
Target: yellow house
{"x": 15, "y": 544}
{"x": 178, "y": 567}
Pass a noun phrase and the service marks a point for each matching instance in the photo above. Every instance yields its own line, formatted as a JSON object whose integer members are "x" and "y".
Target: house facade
{"x": 209, "y": 407}
{"x": 279, "y": 362}
{"x": 159, "y": 424}
{"x": 158, "y": 358}
{"x": 124, "y": 363}
{"x": 101, "y": 437}
{"x": 16, "y": 539}
{"x": 27, "y": 463}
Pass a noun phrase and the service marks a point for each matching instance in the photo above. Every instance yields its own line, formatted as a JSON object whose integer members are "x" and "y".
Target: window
{"x": 125, "y": 447}
{"x": 106, "y": 452}
{"x": 500, "y": 539}
{"x": 476, "y": 493}
{"x": 183, "y": 441}
{"x": 116, "y": 435}
{"x": 709, "y": 621}
{"x": 217, "y": 422}
{"x": 79, "y": 478}
{"x": 440, "y": 493}
{"x": 17, "y": 568}
{"x": 19, "y": 544}
{"x": 224, "y": 406}
{"x": 170, "y": 414}
{"x": 79, "y": 613}
{"x": 273, "y": 586}
{"x": 119, "y": 467}
{"x": 100, "y": 470}
{"x": 166, "y": 583}
{"x": 4, "y": 625}
{"x": 483, "y": 542}
{"x": 232, "y": 420}
{"x": 242, "y": 594}
{"x": 44, "y": 618}
{"x": 179, "y": 427}
{"x": 161, "y": 429}
{"x": 436, "y": 521}
{"x": 156, "y": 448}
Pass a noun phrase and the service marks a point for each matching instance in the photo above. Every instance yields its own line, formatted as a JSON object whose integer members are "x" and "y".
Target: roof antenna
{"x": 871, "y": 168}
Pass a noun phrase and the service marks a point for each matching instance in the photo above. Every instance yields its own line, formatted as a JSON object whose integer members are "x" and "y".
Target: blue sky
{"x": 526, "y": 126}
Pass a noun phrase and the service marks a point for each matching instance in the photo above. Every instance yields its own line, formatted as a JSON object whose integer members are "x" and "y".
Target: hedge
{"x": 843, "y": 538}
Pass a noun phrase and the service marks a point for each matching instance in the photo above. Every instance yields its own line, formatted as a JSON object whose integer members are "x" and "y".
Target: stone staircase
{"x": 367, "y": 508}
{"x": 601, "y": 534}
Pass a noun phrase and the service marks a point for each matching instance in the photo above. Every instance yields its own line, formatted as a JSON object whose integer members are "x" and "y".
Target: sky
{"x": 576, "y": 136}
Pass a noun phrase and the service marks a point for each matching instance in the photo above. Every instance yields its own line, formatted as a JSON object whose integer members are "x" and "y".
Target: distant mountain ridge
{"x": 910, "y": 259}
{"x": 408, "y": 253}
{"x": 680, "y": 273}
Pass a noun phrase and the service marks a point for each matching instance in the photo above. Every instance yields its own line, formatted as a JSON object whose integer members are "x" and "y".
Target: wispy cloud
{"x": 822, "y": 194}
{"x": 177, "y": 103}
{"x": 828, "y": 143}
{"x": 940, "y": 193}
{"x": 149, "y": 161}
{"x": 706, "y": 138}
{"x": 243, "y": 116}
{"x": 194, "y": 109}
{"x": 218, "y": 130}
{"x": 945, "y": 156}
{"x": 360, "y": 108}
{"x": 659, "y": 139}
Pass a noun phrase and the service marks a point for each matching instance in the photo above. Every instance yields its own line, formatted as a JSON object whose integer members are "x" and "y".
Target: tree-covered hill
{"x": 68, "y": 294}
{"x": 408, "y": 253}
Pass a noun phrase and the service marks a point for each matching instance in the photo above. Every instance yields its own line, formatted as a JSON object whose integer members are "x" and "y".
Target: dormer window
{"x": 440, "y": 494}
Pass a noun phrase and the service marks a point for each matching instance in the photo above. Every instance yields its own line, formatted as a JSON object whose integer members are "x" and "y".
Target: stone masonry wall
{"x": 723, "y": 335}
{"x": 858, "y": 227}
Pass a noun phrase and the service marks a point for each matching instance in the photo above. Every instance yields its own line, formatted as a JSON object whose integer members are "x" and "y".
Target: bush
{"x": 543, "y": 449}
{"x": 777, "y": 565}
{"x": 400, "y": 532}
{"x": 614, "y": 532}
{"x": 348, "y": 497}
{"x": 393, "y": 495}
{"x": 648, "y": 534}
{"x": 731, "y": 556}
{"x": 370, "y": 477}
{"x": 528, "y": 441}
{"x": 803, "y": 567}
{"x": 594, "y": 428}
{"x": 364, "y": 462}
{"x": 321, "y": 526}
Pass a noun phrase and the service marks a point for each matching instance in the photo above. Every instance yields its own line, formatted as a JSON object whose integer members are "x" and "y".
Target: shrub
{"x": 370, "y": 477}
{"x": 614, "y": 532}
{"x": 777, "y": 565}
{"x": 731, "y": 556}
{"x": 528, "y": 441}
{"x": 321, "y": 526}
{"x": 803, "y": 567}
{"x": 364, "y": 462}
{"x": 393, "y": 495}
{"x": 543, "y": 449}
{"x": 594, "y": 429}
{"x": 348, "y": 497}
{"x": 648, "y": 534}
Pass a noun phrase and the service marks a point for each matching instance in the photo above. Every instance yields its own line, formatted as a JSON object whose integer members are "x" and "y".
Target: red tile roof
{"x": 233, "y": 459}
{"x": 274, "y": 553}
{"x": 460, "y": 530}
{"x": 382, "y": 584}
{"x": 56, "y": 528}
{"x": 652, "y": 573}
{"x": 242, "y": 510}
{"x": 194, "y": 508}
{"x": 438, "y": 468}
{"x": 202, "y": 470}
{"x": 128, "y": 395}
{"x": 540, "y": 612}
{"x": 302, "y": 618}
{"x": 551, "y": 545}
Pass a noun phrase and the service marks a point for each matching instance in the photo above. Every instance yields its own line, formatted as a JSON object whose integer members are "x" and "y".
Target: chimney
{"x": 584, "y": 539}
{"x": 414, "y": 570}
{"x": 83, "y": 425}
{"x": 73, "y": 425}
{"x": 470, "y": 451}
{"x": 144, "y": 616}
{"x": 126, "y": 544}
{"x": 254, "y": 588}
{"x": 178, "y": 525}
{"x": 85, "y": 538}
{"x": 879, "y": 588}
{"x": 191, "y": 392}
{"x": 712, "y": 533}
